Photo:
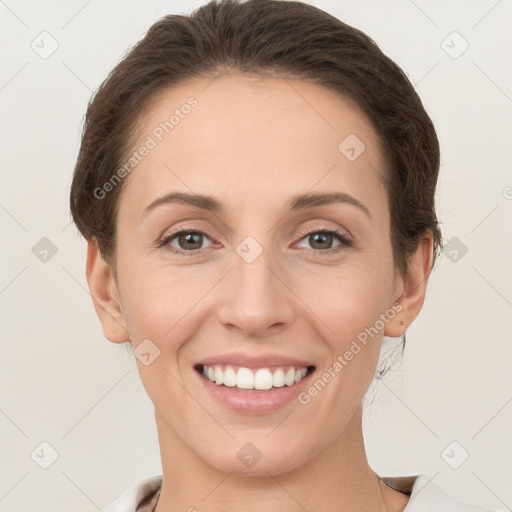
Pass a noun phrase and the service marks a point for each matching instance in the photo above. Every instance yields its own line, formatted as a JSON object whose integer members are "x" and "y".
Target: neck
{"x": 339, "y": 478}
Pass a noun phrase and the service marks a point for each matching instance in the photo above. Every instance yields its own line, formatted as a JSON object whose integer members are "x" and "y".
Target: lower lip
{"x": 254, "y": 401}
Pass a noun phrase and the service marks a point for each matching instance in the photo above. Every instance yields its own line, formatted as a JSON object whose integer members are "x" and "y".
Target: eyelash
{"x": 342, "y": 238}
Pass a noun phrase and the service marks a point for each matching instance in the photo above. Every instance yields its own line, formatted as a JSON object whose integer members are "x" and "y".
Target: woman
{"x": 299, "y": 164}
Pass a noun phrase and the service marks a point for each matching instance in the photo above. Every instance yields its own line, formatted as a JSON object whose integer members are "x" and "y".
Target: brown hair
{"x": 288, "y": 38}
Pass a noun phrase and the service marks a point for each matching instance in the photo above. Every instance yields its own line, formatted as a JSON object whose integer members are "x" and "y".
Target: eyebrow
{"x": 299, "y": 202}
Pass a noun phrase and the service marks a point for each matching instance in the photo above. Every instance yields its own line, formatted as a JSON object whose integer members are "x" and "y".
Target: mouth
{"x": 263, "y": 379}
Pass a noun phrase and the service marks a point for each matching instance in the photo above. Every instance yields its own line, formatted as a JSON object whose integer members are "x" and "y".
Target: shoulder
{"x": 139, "y": 497}
{"x": 425, "y": 496}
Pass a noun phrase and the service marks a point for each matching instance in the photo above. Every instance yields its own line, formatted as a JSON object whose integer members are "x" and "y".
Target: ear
{"x": 105, "y": 295}
{"x": 414, "y": 287}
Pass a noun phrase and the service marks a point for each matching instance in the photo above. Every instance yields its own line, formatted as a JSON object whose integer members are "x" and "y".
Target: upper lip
{"x": 248, "y": 361}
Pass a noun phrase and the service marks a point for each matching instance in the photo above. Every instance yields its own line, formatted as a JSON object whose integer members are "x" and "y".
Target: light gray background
{"x": 62, "y": 382}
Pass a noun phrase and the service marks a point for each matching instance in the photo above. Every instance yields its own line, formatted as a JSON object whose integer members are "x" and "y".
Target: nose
{"x": 256, "y": 299}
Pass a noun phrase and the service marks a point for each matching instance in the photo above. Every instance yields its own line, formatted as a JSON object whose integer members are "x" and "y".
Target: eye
{"x": 188, "y": 242}
{"x": 321, "y": 241}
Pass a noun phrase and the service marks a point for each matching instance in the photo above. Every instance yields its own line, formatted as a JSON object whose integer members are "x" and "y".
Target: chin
{"x": 256, "y": 458}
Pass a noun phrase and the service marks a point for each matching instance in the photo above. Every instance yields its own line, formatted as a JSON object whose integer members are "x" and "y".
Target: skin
{"x": 252, "y": 143}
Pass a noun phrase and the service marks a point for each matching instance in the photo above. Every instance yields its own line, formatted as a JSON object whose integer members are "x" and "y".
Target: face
{"x": 258, "y": 283}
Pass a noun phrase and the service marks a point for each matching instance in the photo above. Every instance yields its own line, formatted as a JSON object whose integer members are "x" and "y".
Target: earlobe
{"x": 414, "y": 288}
{"x": 105, "y": 296}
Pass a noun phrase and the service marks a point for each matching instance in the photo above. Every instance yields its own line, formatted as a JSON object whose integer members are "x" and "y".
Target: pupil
{"x": 191, "y": 238}
{"x": 323, "y": 238}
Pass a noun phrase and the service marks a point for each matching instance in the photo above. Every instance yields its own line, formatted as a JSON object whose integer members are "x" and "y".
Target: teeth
{"x": 262, "y": 379}
{"x": 218, "y": 375}
{"x": 289, "y": 377}
{"x": 229, "y": 377}
{"x": 278, "y": 378}
{"x": 245, "y": 378}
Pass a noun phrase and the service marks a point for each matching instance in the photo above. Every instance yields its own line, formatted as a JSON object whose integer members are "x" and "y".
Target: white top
{"x": 424, "y": 496}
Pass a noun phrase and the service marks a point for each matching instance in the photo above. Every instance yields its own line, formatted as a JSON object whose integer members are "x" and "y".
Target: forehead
{"x": 251, "y": 139}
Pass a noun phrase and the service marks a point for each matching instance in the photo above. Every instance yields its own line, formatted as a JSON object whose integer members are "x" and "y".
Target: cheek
{"x": 348, "y": 298}
{"x": 348, "y": 306}
{"x": 155, "y": 294}
{"x": 349, "y": 303}
{"x": 157, "y": 308}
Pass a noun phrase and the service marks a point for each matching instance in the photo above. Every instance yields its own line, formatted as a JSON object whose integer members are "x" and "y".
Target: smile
{"x": 253, "y": 378}
{"x": 249, "y": 384}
